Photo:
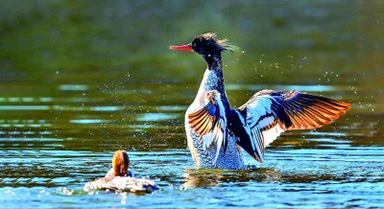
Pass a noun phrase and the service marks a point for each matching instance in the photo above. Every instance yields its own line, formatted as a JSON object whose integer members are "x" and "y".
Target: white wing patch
{"x": 271, "y": 135}
{"x": 262, "y": 121}
{"x": 262, "y": 124}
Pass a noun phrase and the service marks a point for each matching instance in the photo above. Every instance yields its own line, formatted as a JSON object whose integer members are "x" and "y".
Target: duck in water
{"x": 119, "y": 178}
{"x": 216, "y": 133}
{"x": 120, "y": 164}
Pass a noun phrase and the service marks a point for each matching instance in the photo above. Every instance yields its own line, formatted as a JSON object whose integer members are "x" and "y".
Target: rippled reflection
{"x": 209, "y": 178}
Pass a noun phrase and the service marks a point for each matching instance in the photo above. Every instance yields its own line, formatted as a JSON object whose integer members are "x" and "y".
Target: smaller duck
{"x": 119, "y": 178}
{"x": 120, "y": 164}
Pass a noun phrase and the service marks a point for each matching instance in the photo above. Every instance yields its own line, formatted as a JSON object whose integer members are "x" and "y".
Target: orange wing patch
{"x": 308, "y": 112}
{"x": 203, "y": 121}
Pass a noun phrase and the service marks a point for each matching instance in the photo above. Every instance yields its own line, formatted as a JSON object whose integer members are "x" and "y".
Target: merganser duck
{"x": 216, "y": 132}
{"x": 119, "y": 178}
{"x": 120, "y": 164}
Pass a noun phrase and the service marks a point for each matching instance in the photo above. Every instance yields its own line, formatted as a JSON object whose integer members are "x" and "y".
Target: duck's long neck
{"x": 213, "y": 78}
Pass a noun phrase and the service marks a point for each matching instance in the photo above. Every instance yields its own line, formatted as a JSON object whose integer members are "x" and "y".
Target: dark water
{"x": 80, "y": 79}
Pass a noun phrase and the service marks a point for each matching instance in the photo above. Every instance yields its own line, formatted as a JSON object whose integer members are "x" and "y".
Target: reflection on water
{"x": 157, "y": 117}
{"x": 72, "y": 87}
{"x": 304, "y": 88}
{"x": 210, "y": 178}
{"x": 79, "y": 80}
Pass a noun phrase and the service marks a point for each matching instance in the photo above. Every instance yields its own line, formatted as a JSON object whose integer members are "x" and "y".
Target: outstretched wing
{"x": 269, "y": 113}
{"x": 210, "y": 124}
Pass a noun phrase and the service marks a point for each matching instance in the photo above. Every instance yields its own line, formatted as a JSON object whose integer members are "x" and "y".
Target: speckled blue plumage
{"x": 230, "y": 157}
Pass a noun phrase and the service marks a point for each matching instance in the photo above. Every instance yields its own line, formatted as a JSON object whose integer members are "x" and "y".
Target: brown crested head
{"x": 120, "y": 163}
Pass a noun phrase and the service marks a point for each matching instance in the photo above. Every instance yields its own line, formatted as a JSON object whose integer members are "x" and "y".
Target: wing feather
{"x": 289, "y": 110}
{"x": 210, "y": 119}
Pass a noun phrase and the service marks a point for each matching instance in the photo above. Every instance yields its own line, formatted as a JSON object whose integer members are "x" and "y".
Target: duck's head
{"x": 120, "y": 163}
{"x": 206, "y": 45}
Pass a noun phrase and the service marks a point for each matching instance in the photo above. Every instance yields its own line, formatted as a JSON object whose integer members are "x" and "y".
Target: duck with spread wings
{"x": 216, "y": 133}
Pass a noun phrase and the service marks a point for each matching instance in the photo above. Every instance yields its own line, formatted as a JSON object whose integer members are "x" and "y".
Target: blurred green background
{"x": 68, "y": 41}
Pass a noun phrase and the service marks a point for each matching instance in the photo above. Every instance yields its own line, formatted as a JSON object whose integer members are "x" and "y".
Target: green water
{"x": 80, "y": 79}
